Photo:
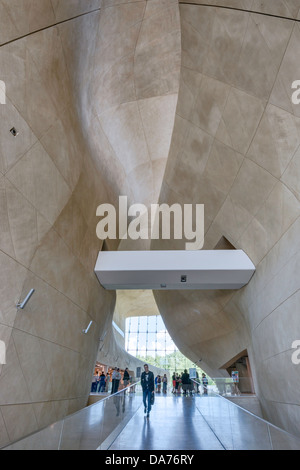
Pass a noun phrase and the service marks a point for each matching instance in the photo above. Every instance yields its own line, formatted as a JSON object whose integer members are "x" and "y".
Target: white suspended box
{"x": 166, "y": 270}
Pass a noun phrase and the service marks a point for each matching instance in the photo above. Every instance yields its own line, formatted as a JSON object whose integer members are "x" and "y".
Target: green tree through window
{"x": 148, "y": 339}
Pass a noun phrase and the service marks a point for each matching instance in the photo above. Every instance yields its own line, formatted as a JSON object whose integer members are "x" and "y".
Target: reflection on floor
{"x": 175, "y": 423}
{"x": 200, "y": 423}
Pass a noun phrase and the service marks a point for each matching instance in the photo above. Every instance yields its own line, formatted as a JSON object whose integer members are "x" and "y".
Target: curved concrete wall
{"x": 129, "y": 107}
{"x": 92, "y": 89}
{"x": 49, "y": 192}
{"x": 235, "y": 148}
{"x": 94, "y": 114}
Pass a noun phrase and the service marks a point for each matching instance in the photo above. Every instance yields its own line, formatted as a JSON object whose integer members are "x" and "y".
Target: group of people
{"x": 116, "y": 379}
{"x": 184, "y": 383}
{"x": 181, "y": 383}
{"x": 149, "y": 384}
{"x": 161, "y": 380}
{"x": 100, "y": 383}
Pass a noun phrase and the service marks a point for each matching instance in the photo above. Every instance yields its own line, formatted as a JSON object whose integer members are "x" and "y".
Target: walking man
{"x": 147, "y": 381}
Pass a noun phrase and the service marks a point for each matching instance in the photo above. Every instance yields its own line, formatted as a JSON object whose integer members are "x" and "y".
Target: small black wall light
{"x": 14, "y": 131}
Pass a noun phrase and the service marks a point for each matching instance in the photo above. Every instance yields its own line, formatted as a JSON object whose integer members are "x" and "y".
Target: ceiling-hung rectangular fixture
{"x": 169, "y": 270}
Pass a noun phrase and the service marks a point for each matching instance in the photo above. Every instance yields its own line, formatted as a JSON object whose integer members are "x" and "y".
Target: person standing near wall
{"x": 147, "y": 382}
{"x": 126, "y": 377}
{"x": 179, "y": 384}
{"x": 174, "y": 383}
{"x": 113, "y": 381}
{"x": 107, "y": 382}
{"x": 185, "y": 378}
{"x": 165, "y": 383}
{"x": 205, "y": 384}
{"x": 158, "y": 383}
{"x": 118, "y": 379}
{"x": 94, "y": 383}
{"x": 197, "y": 382}
{"x": 102, "y": 382}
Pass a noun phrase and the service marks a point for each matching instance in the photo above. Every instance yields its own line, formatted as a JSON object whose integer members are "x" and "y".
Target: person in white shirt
{"x": 116, "y": 377}
{"x": 94, "y": 383}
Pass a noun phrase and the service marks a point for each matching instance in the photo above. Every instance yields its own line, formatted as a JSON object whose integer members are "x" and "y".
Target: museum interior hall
{"x": 149, "y": 214}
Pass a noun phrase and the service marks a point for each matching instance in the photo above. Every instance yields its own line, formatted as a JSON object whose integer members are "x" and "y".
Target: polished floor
{"x": 174, "y": 423}
{"x": 200, "y": 423}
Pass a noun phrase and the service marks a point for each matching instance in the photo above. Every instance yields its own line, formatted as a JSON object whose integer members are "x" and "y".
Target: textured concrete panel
{"x": 238, "y": 64}
{"x": 92, "y": 89}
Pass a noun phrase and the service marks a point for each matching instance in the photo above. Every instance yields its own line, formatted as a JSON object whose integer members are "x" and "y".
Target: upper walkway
{"x": 199, "y": 422}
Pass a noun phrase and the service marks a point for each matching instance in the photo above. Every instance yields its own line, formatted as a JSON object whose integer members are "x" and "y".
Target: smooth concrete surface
{"x": 285, "y": 8}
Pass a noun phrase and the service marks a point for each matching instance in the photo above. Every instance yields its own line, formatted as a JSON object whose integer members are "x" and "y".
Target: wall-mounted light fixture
{"x": 87, "y": 329}
{"x": 14, "y": 131}
{"x": 22, "y": 305}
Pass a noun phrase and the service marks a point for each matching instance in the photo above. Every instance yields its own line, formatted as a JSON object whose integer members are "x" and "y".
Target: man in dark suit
{"x": 147, "y": 381}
